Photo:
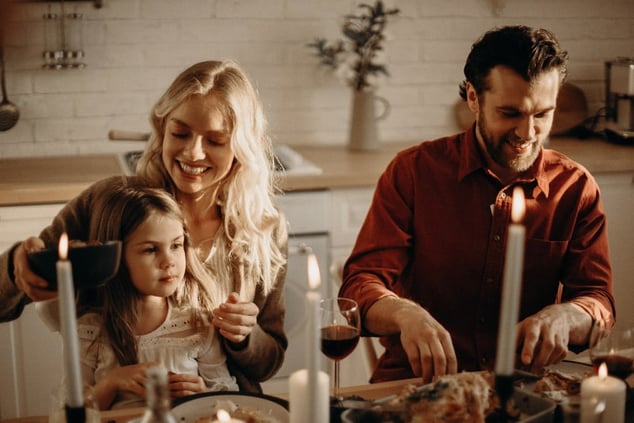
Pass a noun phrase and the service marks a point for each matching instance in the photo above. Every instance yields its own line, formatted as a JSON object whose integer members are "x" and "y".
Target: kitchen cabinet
{"x": 30, "y": 354}
{"x": 347, "y": 213}
{"x": 617, "y": 190}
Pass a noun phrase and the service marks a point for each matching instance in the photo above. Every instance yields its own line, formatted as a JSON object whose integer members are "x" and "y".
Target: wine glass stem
{"x": 336, "y": 388}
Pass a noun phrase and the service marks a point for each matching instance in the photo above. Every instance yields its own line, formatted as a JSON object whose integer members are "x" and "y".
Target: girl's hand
{"x": 122, "y": 379}
{"x": 234, "y": 319}
{"x": 182, "y": 384}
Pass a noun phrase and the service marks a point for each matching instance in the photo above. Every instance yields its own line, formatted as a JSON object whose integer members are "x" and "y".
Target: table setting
{"x": 600, "y": 391}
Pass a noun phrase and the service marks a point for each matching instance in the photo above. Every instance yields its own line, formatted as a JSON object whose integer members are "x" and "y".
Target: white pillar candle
{"x": 610, "y": 390}
{"x": 299, "y": 402}
{"x": 513, "y": 265}
{"x": 68, "y": 320}
{"x": 312, "y": 350}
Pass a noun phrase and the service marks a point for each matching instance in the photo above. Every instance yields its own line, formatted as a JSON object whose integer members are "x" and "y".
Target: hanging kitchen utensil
{"x": 9, "y": 113}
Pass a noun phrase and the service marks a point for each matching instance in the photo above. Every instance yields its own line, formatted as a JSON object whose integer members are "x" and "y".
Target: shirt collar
{"x": 472, "y": 161}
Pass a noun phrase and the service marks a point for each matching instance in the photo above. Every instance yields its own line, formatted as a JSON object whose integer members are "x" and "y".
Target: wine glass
{"x": 614, "y": 347}
{"x": 340, "y": 330}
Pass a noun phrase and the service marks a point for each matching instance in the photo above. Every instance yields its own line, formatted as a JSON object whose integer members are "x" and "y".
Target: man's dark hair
{"x": 527, "y": 51}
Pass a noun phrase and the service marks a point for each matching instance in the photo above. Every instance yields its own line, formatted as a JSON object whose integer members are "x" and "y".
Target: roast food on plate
{"x": 239, "y": 412}
{"x": 209, "y": 407}
{"x": 466, "y": 397}
{"x": 559, "y": 385}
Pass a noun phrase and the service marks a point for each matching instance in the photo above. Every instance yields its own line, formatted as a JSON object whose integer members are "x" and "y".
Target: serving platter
{"x": 193, "y": 407}
{"x": 536, "y": 409}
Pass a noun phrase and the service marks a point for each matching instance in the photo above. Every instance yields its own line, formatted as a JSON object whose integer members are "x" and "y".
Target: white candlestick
{"x": 513, "y": 265}
{"x": 68, "y": 320}
{"x": 299, "y": 403}
{"x": 603, "y": 388}
{"x": 312, "y": 351}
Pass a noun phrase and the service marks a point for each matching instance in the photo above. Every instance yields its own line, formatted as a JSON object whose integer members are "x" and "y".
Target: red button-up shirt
{"x": 436, "y": 233}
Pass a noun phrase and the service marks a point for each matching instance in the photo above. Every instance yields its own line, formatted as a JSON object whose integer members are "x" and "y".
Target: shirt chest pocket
{"x": 543, "y": 261}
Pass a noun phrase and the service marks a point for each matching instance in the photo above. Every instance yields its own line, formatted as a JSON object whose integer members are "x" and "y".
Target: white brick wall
{"x": 135, "y": 47}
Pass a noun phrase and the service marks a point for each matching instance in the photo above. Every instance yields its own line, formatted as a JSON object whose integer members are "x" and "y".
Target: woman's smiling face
{"x": 196, "y": 145}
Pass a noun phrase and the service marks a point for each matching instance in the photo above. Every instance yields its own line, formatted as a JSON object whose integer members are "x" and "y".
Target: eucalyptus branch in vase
{"x": 356, "y": 59}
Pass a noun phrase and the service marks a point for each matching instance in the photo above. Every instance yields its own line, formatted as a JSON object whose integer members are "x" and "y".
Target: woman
{"x": 210, "y": 150}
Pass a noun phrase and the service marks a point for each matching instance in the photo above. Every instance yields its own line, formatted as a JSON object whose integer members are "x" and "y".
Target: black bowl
{"x": 92, "y": 265}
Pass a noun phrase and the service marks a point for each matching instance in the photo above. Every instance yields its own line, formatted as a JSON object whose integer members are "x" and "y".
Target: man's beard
{"x": 495, "y": 149}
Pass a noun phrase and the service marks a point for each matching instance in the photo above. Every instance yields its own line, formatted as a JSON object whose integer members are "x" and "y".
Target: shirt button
{"x": 497, "y": 238}
{"x": 489, "y": 281}
{"x": 483, "y": 320}
{"x": 484, "y": 359}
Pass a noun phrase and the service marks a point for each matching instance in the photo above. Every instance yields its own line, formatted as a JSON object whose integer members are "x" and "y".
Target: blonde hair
{"x": 119, "y": 212}
{"x": 246, "y": 194}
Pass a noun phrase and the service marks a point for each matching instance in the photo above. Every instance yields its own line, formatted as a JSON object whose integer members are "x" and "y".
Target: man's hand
{"x": 426, "y": 342}
{"x": 544, "y": 337}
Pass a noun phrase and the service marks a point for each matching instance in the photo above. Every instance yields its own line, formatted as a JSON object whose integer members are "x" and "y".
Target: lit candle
{"x": 308, "y": 388}
{"x": 312, "y": 306}
{"x": 223, "y": 416}
{"x": 513, "y": 264}
{"x": 68, "y": 320}
{"x": 603, "y": 389}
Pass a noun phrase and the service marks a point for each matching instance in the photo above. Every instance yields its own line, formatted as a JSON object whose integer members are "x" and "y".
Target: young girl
{"x": 156, "y": 310}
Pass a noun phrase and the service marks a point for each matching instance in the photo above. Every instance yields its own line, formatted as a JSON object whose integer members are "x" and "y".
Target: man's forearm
{"x": 580, "y": 323}
{"x": 386, "y": 315}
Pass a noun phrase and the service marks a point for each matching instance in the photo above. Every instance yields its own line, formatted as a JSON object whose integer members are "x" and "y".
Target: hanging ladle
{"x": 9, "y": 113}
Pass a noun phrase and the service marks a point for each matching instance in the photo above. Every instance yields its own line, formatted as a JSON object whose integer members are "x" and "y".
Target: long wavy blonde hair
{"x": 246, "y": 194}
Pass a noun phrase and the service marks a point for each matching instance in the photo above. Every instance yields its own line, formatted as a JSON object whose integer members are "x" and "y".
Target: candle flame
{"x": 223, "y": 416}
{"x": 603, "y": 371}
{"x": 314, "y": 279}
{"x": 63, "y": 246}
{"x": 518, "y": 206}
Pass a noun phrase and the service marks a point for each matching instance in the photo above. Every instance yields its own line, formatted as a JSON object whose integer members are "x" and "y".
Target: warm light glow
{"x": 314, "y": 279}
{"x": 223, "y": 416}
{"x": 603, "y": 371}
{"x": 518, "y": 207}
{"x": 63, "y": 246}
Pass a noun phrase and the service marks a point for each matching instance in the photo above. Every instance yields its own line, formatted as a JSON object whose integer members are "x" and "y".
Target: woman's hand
{"x": 181, "y": 384}
{"x": 25, "y": 280}
{"x": 234, "y": 319}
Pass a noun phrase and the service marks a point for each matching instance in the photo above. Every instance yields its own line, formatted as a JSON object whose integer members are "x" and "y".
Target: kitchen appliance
{"x": 287, "y": 160}
{"x": 619, "y": 91}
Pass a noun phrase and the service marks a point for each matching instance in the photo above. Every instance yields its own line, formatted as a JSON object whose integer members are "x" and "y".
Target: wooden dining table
{"x": 368, "y": 391}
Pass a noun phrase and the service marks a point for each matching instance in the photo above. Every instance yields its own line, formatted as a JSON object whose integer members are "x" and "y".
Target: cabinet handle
{"x": 301, "y": 248}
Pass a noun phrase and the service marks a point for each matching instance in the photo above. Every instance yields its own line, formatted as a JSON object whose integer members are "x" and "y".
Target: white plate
{"x": 203, "y": 405}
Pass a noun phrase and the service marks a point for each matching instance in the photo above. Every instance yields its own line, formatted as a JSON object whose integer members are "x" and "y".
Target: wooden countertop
{"x": 57, "y": 179}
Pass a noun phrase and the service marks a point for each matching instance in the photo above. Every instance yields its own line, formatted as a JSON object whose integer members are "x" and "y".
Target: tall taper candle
{"x": 312, "y": 354}
{"x": 513, "y": 265}
{"x": 68, "y": 320}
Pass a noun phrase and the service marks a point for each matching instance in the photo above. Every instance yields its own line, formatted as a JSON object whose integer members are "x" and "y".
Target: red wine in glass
{"x": 617, "y": 365}
{"x": 338, "y": 341}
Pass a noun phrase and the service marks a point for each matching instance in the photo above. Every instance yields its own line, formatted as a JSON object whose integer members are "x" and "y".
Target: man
{"x": 428, "y": 262}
